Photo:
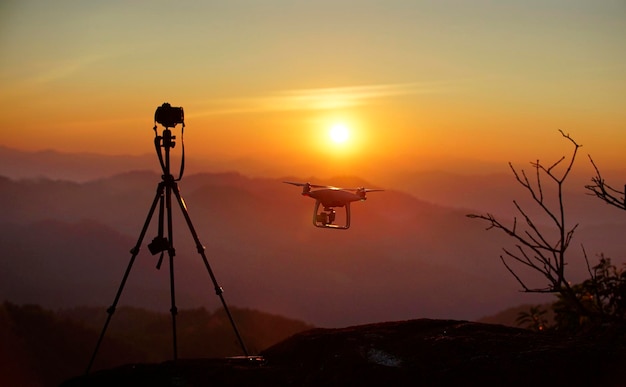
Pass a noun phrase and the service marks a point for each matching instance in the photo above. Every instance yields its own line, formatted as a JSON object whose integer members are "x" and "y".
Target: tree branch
{"x": 604, "y": 191}
{"x": 547, "y": 259}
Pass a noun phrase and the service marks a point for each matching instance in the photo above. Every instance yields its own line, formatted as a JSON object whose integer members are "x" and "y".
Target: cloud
{"x": 319, "y": 99}
{"x": 52, "y": 70}
{"x": 64, "y": 69}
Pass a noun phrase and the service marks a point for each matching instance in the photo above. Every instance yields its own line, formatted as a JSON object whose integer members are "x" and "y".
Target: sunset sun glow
{"x": 339, "y": 133}
{"x": 285, "y": 89}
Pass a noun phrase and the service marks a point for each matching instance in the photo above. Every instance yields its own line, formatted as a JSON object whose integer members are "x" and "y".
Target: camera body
{"x": 158, "y": 244}
{"x": 169, "y": 116}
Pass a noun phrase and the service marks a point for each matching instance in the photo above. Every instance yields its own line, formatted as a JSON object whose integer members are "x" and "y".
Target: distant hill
{"x": 81, "y": 167}
{"x": 494, "y": 192}
{"x": 403, "y": 257}
{"x": 68, "y": 166}
{"x": 465, "y": 184}
{"x": 69, "y": 245}
{"x": 411, "y": 252}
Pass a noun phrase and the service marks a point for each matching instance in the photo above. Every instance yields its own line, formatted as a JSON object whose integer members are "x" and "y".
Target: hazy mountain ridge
{"x": 68, "y": 166}
{"x": 260, "y": 244}
{"x": 82, "y": 167}
{"x": 495, "y": 192}
{"x": 403, "y": 257}
{"x": 399, "y": 259}
{"x": 488, "y": 187}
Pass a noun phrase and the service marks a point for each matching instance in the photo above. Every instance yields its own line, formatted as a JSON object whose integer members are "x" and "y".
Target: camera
{"x": 169, "y": 116}
{"x": 158, "y": 244}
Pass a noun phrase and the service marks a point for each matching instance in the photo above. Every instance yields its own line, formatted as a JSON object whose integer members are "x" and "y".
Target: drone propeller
{"x": 307, "y": 184}
{"x": 295, "y": 183}
{"x": 363, "y": 189}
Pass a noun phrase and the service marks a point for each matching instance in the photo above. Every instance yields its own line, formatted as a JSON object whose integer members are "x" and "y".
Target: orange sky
{"x": 414, "y": 81}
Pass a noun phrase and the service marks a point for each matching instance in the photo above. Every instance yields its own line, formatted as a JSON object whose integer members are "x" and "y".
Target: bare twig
{"x": 604, "y": 191}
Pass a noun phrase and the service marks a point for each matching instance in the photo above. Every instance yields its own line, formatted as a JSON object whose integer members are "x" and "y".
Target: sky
{"x": 412, "y": 82}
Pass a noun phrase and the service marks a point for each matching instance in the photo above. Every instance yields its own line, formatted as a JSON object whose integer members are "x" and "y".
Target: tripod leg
{"x": 171, "y": 253}
{"x": 160, "y": 232}
{"x": 200, "y": 248}
{"x": 134, "y": 251}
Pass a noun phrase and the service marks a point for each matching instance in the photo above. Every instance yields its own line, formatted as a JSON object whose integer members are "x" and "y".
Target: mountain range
{"x": 411, "y": 251}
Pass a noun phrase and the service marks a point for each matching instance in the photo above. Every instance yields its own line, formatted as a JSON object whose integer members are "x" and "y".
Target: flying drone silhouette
{"x": 329, "y": 198}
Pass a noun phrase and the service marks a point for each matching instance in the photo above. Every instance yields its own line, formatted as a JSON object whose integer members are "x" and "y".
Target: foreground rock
{"x": 408, "y": 353}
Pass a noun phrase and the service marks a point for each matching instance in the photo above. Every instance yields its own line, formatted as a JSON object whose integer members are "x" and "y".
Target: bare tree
{"x": 604, "y": 191}
{"x": 537, "y": 248}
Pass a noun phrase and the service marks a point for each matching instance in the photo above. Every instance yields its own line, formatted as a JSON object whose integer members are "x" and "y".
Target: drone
{"x": 330, "y": 197}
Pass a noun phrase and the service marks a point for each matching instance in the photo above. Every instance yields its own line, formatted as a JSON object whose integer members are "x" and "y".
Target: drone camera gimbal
{"x": 326, "y": 218}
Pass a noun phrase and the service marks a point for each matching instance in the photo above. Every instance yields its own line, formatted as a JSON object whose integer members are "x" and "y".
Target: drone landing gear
{"x": 326, "y": 218}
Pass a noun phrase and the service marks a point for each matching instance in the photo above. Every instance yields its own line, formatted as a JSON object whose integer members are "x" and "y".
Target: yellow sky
{"x": 414, "y": 80}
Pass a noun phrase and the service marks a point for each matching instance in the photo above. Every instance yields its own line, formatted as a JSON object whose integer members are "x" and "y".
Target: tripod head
{"x": 169, "y": 117}
{"x": 166, "y": 140}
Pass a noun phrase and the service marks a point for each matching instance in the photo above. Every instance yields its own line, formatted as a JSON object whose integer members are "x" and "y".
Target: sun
{"x": 339, "y": 133}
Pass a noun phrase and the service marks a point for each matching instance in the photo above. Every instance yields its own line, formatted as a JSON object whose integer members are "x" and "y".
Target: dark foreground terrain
{"x": 408, "y": 353}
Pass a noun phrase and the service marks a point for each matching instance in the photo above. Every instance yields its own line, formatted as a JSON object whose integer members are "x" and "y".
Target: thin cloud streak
{"x": 320, "y": 99}
{"x": 43, "y": 73}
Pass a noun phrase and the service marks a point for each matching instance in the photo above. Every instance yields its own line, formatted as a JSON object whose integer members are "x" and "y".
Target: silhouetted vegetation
{"x": 43, "y": 348}
{"x": 603, "y": 296}
{"x": 534, "y": 319}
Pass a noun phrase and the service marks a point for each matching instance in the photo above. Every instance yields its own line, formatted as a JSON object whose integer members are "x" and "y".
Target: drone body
{"x": 329, "y": 198}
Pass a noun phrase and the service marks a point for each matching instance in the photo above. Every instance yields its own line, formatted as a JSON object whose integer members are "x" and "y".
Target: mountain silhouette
{"x": 410, "y": 252}
{"x": 69, "y": 245}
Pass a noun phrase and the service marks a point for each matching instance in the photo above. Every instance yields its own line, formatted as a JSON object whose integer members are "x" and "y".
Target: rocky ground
{"x": 407, "y": 353}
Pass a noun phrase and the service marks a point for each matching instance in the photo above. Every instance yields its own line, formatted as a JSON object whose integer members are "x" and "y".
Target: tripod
{"x": 161, "y": 243}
